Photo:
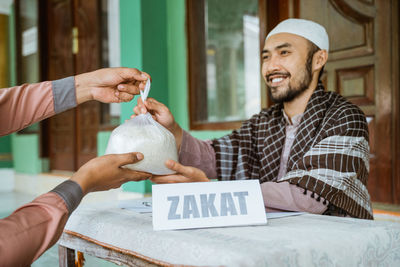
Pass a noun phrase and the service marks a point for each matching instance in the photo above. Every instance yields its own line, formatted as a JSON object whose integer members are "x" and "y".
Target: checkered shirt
{"x": 329, "y": 156}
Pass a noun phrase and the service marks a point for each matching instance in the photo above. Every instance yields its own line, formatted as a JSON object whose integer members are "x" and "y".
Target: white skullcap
{"x": 308, "y": 29}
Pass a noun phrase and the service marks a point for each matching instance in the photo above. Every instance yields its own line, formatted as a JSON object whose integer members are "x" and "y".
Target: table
{"x": 126, "y": 237}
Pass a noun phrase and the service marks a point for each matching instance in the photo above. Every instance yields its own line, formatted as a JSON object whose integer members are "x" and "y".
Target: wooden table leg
{"x": 66, "y": 256}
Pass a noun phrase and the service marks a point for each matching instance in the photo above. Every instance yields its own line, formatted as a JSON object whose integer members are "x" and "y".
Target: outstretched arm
{"x": 24, "y": 105}
{"x": 36, "y": 226}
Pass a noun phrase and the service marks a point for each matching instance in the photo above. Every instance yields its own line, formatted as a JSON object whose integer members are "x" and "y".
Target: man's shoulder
{"x": 338, "y": 108}
{"x": 270, "y": 112}
{"x": 264, "y": 117}
{"x": 341, "y": 108}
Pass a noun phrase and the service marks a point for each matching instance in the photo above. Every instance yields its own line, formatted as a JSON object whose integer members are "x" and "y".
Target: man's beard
{"x": 293, "y": 91}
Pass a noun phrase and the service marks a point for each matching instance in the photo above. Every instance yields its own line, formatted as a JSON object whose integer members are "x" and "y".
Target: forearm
{"x": 24, "y": 105}
{"x": 177, "y": 131}
{"x": 82, "y": 85}
{"x": 289, "y": 197}
{"x": 36, "y": 226}
{"x": 197, "y": 153}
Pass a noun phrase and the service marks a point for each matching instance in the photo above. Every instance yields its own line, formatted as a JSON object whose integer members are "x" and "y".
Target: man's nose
{"x": 273, "y": 64}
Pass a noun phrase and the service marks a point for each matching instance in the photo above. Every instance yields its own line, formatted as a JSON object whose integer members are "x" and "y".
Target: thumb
{"x": 179, "y": 168}
{"x": 129, "y": 158}
{"x": 154, "y": 105}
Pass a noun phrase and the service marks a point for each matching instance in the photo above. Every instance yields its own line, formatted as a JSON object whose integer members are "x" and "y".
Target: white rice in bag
{"x": 143, "y": 134}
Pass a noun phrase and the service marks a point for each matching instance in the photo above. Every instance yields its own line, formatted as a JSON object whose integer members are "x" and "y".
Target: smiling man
{"x": 309, "y": 151}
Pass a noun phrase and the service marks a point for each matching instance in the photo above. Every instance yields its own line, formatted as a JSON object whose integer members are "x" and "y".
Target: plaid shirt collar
{"x": 307, "y": 130}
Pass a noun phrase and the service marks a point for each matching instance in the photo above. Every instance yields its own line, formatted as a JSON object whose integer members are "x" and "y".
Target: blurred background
{"x": 204, "y": 59}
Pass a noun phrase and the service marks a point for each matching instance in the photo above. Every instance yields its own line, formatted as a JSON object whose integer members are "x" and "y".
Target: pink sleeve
{"x": 24, "y": 105}
{"x": 288, "y": 197}
{"x": 30, "y": 230}
{"x": 277, "y": 196}
{"x": 199, "y": 154}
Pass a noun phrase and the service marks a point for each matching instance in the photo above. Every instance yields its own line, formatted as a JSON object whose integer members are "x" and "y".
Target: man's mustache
{"x": 267, "y": 77}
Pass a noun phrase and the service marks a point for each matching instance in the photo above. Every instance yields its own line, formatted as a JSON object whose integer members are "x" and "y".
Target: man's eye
{"x": 284, "y": 52}
{"x": 265, "y": 57}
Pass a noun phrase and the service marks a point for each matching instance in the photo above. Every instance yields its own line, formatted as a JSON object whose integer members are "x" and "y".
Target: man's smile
{"x": 276, "y": 79}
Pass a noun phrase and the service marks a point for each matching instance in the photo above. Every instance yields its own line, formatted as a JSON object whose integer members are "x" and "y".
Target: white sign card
{"x": 207, "y": 204}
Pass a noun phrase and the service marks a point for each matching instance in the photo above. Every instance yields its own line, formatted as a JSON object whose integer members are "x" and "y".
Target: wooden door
{"x": 363, "y": 67}
{"x": 88, "y": 58}
{"x": 61, "y": 128}
{"x": 72, "y": 135}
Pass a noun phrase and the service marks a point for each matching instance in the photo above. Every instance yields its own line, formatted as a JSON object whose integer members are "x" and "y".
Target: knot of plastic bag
{"x": 144, "y": 93}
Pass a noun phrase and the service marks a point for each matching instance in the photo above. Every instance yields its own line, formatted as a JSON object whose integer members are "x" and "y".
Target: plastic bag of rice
{"x": 143, "y": 134}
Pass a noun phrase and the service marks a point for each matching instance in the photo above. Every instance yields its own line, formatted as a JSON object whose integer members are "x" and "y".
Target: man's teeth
{"x": 277, "y": 80}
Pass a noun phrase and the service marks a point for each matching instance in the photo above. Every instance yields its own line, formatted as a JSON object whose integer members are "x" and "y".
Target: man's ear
{"x": 319, "y": 60}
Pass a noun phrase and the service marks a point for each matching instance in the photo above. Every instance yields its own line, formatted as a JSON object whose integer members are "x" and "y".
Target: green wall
{"x": 131, "y": 43}
{"x": 5, "y": 152}
{"x": 25, "y": 149}
{"x": 154, "y": 40}
{"x": 177, "y": 69}
{"x": 102, "y": 140}
{"x": 143, "y": 46}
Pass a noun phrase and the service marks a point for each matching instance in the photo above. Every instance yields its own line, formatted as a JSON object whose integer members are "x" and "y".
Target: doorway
{"x": 73, "y": 35}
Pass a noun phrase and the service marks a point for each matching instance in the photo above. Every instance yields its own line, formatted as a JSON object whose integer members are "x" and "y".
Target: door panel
{"x": 88, "y": 58}
{"x": 359, "y": 68}
{"x": 73, "y": 134}
{"x": 60, "y": 64}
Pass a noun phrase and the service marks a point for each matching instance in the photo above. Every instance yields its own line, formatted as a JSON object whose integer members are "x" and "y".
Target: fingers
{"x": 141, "y": 108}
{"x": 128, "y": 158}
{"x": 124, "y": 97}
{"x": 147, "y": 75}
{"x": 133, "y": 80}
{"x": 157, "y": 109}
{"x": 153, "y": 104}
{"x": 192, "y": 174}
{"x": 131, "y": 175}
{"x": 132, "y": 89}
{"x": 132, "y": 74}
{"x": 150, "y": 105}
{"x": 169, "y": 179}
{"x": 179, "y": 168}
{"x": 136, "y": 110}
{"x": 112, "y": 99}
